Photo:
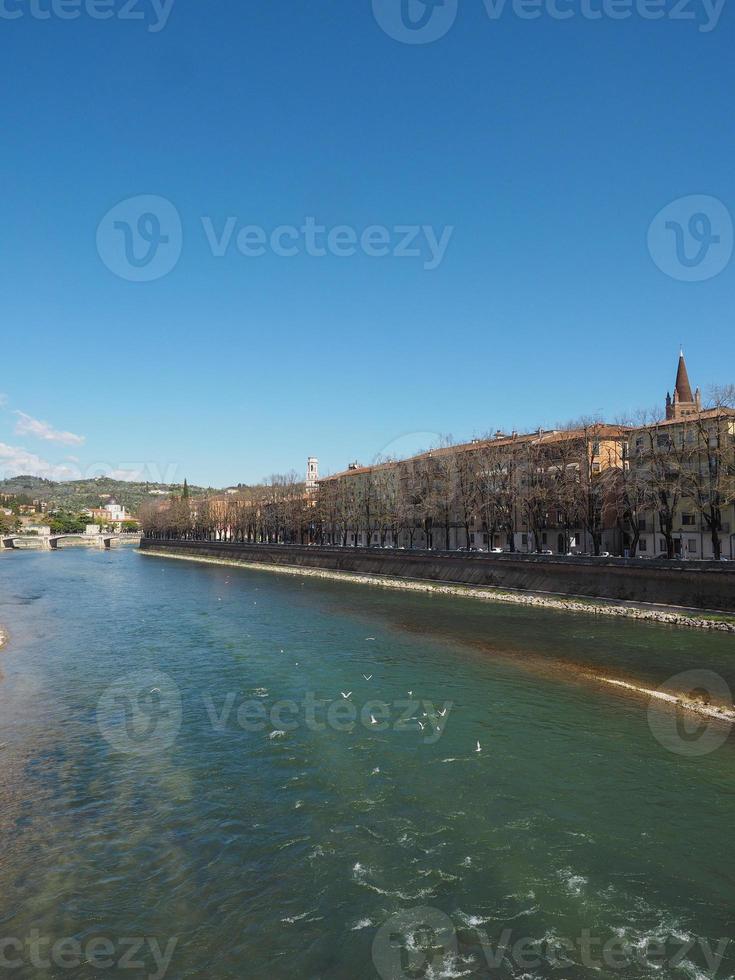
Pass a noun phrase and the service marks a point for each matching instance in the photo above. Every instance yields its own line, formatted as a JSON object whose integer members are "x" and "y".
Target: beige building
{"x": 681, "y": 479}
{"x": 662, "y": 488}
{"x": 541, "y": 491}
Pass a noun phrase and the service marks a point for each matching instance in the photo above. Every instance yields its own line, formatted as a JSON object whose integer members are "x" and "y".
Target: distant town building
{"x": 111, "y": 514}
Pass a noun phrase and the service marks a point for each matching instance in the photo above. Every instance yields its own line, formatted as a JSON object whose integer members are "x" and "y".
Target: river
{"x": 217, "y": 772}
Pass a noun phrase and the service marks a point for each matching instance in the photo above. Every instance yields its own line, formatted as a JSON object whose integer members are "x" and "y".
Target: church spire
{"x": 684, "y": 402}
{"x": 682, "y": 388}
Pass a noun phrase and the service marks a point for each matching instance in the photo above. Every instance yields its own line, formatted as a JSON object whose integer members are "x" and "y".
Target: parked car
{"x": 546, "y": 551}
{"x": 496, "y": 551}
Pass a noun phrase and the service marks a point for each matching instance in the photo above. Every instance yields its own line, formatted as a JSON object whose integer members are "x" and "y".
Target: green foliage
{"x": 8, "y": 525}
{"x": 66, "y": 523}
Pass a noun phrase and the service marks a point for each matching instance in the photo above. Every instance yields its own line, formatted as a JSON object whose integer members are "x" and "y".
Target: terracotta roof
{"x": 708, "y": 413}
{"x": 597, "y": 430}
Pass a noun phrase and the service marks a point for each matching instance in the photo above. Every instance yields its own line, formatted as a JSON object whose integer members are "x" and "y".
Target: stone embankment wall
{"x": 700, "y": 585}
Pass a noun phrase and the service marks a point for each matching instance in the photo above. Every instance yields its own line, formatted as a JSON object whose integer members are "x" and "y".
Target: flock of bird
{"x": 422, "y": 724}
{"x": 373, "y": 720}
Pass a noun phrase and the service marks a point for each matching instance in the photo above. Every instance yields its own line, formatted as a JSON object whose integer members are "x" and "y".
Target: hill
{"x": 76, "y": 495}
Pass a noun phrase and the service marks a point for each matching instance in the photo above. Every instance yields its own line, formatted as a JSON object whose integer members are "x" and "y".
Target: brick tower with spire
{"x": 683, "y": 403}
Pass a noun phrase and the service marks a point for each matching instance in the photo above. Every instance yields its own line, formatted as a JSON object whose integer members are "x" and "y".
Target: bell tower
{"x": 312, "y": 474}
{"x": 683, "y": 403}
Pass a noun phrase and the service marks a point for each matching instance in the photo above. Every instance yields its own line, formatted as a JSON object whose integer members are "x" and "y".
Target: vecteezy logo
{"x": 140, "y": 238}
{"x": 415, "y": 21}
{"x": 691, "y": 239}
{"x": 406, "y": 445}
{"x": 140, "y": 713}
{"x": 684, "y": 716}
{"x": 414, "y": 941}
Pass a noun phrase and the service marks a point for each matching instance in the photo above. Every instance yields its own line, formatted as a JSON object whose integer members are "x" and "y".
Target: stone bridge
{"x": 50, "y": 542}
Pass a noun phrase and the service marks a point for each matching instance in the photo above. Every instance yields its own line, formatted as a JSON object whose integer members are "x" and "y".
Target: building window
{"x": 642, "y": 524}
{"x": 692, "y": 546}
{"x": 688, "y": 520}
{"x": 643, "y": 545}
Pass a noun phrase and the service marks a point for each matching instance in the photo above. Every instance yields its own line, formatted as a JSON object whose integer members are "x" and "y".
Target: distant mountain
{"x": 77, "y": 495}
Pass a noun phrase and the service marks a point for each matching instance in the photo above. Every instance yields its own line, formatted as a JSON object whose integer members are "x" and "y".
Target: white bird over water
{"x": 373, "y": 719}
{"x": 479, "y": 747}
{"x": 155, "y": 690}
{"x": 345, "y": 696}
{"x": 442, "y": 713}
{"x": 369, "y": 637}
{"x": 410, "y": 694}
{"x": 422, "y": 725}
{"x": 368, "y": 677}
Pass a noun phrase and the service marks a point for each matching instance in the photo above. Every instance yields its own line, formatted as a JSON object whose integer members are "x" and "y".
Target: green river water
{"x": 186, "y": 791}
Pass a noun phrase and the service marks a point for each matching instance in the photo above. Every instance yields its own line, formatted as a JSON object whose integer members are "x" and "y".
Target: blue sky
{"x": 543, "y": 148}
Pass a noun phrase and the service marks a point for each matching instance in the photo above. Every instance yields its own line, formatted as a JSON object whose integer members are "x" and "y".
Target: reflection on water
{"x": 283, "y": 856}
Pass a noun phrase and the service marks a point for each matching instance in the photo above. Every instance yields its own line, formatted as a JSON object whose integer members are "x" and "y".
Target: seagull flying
{"x": 373, "y": 719}
{"x": 346, "y": 696}
{"x": 368, "y": 677}
{"x": 479, "y": 747}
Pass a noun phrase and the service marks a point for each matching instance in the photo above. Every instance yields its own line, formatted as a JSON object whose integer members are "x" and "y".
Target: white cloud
{"x": 17, "y": 461}
{"x": 3, "y": 400}
{"x": 28, "y": 426}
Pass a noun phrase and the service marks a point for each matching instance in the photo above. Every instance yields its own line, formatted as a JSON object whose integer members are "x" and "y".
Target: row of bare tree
{"x": 584, "y": 479}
